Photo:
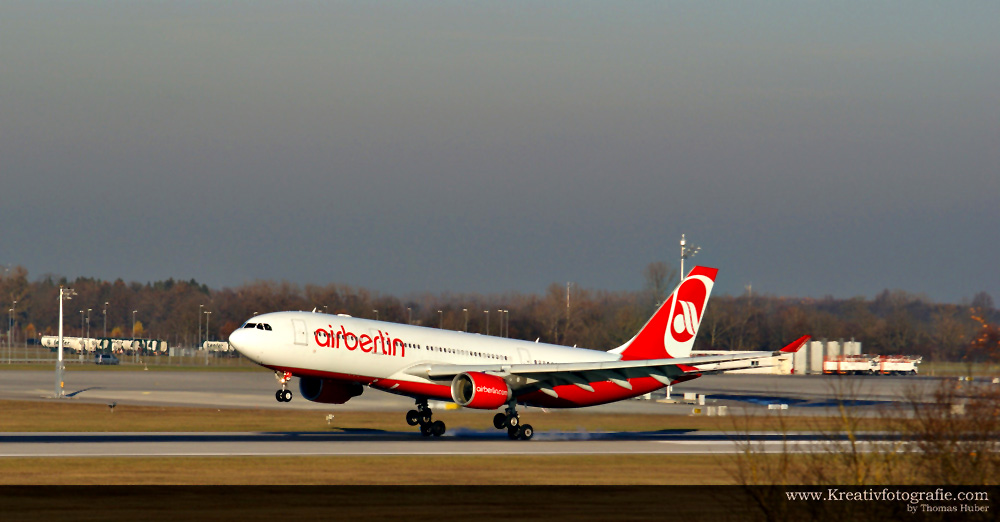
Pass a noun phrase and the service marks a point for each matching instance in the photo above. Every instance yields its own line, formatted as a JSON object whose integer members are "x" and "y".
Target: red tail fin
{"x": 670, "y": 333}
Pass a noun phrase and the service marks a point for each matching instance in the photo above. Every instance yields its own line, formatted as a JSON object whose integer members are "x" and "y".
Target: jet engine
{"x": 328, "y": 391}
{"x": 480, "y": 390}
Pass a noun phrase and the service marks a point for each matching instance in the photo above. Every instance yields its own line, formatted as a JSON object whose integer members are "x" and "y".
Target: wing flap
{"x": 545, "y": 377}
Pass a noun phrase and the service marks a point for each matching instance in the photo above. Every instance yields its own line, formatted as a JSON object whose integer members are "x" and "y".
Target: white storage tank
{"x": 832, "y": 349}
{"x": 816, "y": 357}
{"x": 800, "y": 361}
{"x": 852, "y": 347}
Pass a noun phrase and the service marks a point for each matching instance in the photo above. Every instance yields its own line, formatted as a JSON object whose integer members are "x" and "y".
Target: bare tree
{"x": 660, "y": 278}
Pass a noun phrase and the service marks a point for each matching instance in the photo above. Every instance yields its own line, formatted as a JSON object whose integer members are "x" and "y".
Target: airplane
{"x": 336, "y": 356}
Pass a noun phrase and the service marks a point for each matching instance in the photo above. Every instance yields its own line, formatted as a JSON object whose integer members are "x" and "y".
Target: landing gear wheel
{"x": 512, "y": 421}
{"x": 512, "y": 433}
{"x": 499, "y": 421}
{"x": 277, "y": 396}
{"x": 526, "y": 432}
{"x": 286, "y": 395}
{"x": 424, "y": 417}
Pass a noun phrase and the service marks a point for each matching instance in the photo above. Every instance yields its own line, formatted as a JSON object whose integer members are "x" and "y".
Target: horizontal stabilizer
{"x": 796, "y": 344}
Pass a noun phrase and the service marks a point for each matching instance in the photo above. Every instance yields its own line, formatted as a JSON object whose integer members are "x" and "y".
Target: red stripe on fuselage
{"x": 570, "y": 395}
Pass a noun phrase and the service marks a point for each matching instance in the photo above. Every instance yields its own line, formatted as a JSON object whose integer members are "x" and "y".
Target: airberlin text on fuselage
{"x": 376, "y": 344}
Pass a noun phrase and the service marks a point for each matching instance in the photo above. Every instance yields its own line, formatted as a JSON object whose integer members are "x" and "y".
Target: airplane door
{"x": 299, "y": 326}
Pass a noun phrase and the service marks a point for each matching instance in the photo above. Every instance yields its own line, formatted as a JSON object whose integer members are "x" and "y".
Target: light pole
{"x": 81, "y": 335}
{"x": 10, "y": 328}
{"x": 135, "y": 350}
{"x": 568, "y": 284}
{"x": 466, "y": 312}
{"x": 10, "y": 333}
{"x": 500, "y": 311}
{"x": 487, "y": 312}
{"x": 506, "y": 320}
{"x": 199, "y": 323}
{"x": 106, "y": 321}
{"x": 376, "y": 314}
{"x": 88, "y": 325}
{"x": 440, "y": 319}
{"x": 208, "y": 315}
{"x": 687, "y": 252}
{"x": 409, "y": 315}
{"x": 64, "y": 294}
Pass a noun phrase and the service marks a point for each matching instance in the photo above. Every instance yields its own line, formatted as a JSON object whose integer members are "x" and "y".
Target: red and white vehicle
{"x": 897, "y": 364}
{"x": 850, "y": 365}
{"x": 336, "y": 356}
{"x": 871, "y": 364}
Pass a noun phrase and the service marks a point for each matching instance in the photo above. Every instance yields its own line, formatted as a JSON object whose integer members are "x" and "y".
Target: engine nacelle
{"x": 480, "y": 390}
{"x": 328, "y": 391}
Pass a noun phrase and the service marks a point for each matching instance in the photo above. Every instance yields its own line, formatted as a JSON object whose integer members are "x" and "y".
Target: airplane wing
{"x": 525, "y": 378}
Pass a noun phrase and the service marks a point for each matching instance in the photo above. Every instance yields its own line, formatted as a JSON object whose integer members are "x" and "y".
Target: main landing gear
{"x": 423, "y": 416}
{"x": 283, "y": 395}
{"x": 510, "y": 421}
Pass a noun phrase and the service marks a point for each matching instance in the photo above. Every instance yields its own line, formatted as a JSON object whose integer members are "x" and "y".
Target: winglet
{"x": 796, "y": 344}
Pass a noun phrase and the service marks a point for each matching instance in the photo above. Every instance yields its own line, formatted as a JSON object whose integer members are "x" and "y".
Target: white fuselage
{"x": 311, "y": 343}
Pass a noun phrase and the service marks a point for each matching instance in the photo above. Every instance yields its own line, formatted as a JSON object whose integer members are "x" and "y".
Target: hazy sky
{"x": 810, "y": 148}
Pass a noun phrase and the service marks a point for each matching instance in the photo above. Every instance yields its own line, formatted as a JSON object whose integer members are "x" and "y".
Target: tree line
{"x": 894, "y": 322}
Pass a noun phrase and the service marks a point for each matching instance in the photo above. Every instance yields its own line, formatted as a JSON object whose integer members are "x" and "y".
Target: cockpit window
{"x": 259, "y": 326}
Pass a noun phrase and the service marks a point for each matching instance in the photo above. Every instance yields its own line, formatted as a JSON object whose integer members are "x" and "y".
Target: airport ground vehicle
{"x": 871, "y": 365}
{"x": 105, "y": 358}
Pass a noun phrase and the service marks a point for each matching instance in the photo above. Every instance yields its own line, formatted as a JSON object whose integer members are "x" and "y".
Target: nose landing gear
{"x": 284, "y": 394}
{"x": 424, "y": 417}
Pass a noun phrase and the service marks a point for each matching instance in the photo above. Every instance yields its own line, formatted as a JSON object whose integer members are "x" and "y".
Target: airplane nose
{"x": 239, "y": 340}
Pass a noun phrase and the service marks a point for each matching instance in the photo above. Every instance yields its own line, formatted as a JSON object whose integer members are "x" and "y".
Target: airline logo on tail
{"x": 671, "y": 331}
{"x": 688, "y": 305}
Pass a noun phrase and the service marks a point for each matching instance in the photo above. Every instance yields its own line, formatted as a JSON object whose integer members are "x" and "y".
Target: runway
{"x": 379, "y": 443}
{"x": 254, "y": 389}
{"x": 807, "y": 395}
